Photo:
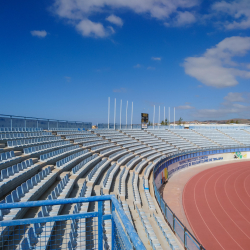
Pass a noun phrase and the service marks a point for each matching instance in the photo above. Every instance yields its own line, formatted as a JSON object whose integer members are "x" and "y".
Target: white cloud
{"x": 209, "y": 113}
{"x": 234, "y": 97}
{"x": 89, "y": 28}
{"x": 184, "y": 18}
{"x": 209, "y": 72}
{"x": 215, "y": 67}
{"x": 160, "y": 9}
{"x": 68, "y": 78}
{"x": 39, "y": 33}
{"x": 227, "y": 108}
{"x": 167, "y": 24}
{"x": 241, "y": 73}
{"x": 76, "y": 11}
{"x": 156, "y": 58}
{"x": 150, "y": 68}
{"x": 237, "y": 109}
{"x": 185, "y": 107}
{"x": 238, "y": 10}
{"x": 115, "y": 20}
{"x": 137, "y": 66}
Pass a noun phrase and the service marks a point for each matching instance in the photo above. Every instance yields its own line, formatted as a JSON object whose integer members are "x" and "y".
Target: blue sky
{"x": 62, "y": 59}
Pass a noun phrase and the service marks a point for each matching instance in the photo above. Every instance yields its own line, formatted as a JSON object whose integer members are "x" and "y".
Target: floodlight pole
{"x": 127, "y": 115}
{"x": 164, "y": 115}
{"x": 132, "y": 117}
{"x": 169, "y": 116}
{"x": 159, "y": 118}
{"x": 154, "y": 118}
{"x": 108, "y": 110}
{"x": 121, "y": 115}
{"x": 114, "y": 113}
{"x": 174, "y": 118}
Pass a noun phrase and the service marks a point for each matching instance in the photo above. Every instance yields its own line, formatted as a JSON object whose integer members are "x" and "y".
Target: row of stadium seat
{"x": 19, "y": 129}
{"x": 137, "y": 197}
{"x": 139, "y": 166}
{"x": 15, "y": 171}
{"x": 148, "y": 196}
{"x": 82, "y": 163}
{"x": 80, "y": 136}
{"x": 45, "y": 147}
{"x": 6, "y": 136}
{"x": 73, "y": 133}
{"x": 109, "y": 151}
{"x": 57, "y": 153}
{"x": 92, "y": 176}
{"x": 109, "y": 176}
{"x": 27, "y": 142}
{"x": 87, "y": 139}
{"x": 238, "y": 135}
{"x": 95, "y": 143}
{"x": 70, "y": 158}
{"x": 8, "y": 157}
{"x": 114, "y": 155}
{"x": 167, "y": 232}
{"x": 24, "y": 193}
{"x": 154, "y": 242}
{"x": 42, "y": 238}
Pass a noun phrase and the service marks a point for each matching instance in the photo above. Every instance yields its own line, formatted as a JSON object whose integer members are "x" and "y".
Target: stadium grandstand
{"x": 125, "y": 125}
{"x": 64, "y": 185}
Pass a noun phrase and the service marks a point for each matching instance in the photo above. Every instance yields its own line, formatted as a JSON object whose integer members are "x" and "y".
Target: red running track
{"x": 217, "y": 205}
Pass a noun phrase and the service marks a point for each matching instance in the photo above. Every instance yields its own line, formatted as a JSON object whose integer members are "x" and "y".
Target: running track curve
{"x": 217, "y": 205}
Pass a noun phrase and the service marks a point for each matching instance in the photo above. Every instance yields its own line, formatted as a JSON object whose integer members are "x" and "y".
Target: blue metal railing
{"x": 80, "y": 230}
{"x": 13, "y": 121}
{"x": 189, "y": 241}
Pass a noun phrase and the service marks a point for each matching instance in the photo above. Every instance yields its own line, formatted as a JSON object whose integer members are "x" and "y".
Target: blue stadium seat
{"x": 32, "y": 237}
{"x": 38, "y": 228}
{"x": 25, "y": 244}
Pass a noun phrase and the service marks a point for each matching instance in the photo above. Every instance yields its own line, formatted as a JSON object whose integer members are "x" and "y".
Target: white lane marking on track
{"x": 246, "y": 188}
{"x": 237, "y": 192}
{"x": 230, "y": 201}
{"x": 208, "y": 171}
{"x": 238, "y": 196}
{"x": 213, "y": 212}
{"x": 202, "y": 216}
{"x": 189, "y": 221}
{"x": 198, "y": 210}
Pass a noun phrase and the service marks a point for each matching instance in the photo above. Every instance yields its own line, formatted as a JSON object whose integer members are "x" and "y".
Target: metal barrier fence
{"x": 118, "y": 126}
{"x": 135, "y": 126}
{"x": 13, "y": 121}
{"x": 220, "y": 127}
{"x": 188, "y": 240}
{"x": 162, "y": 127}
{"x": 77, "y": 230}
